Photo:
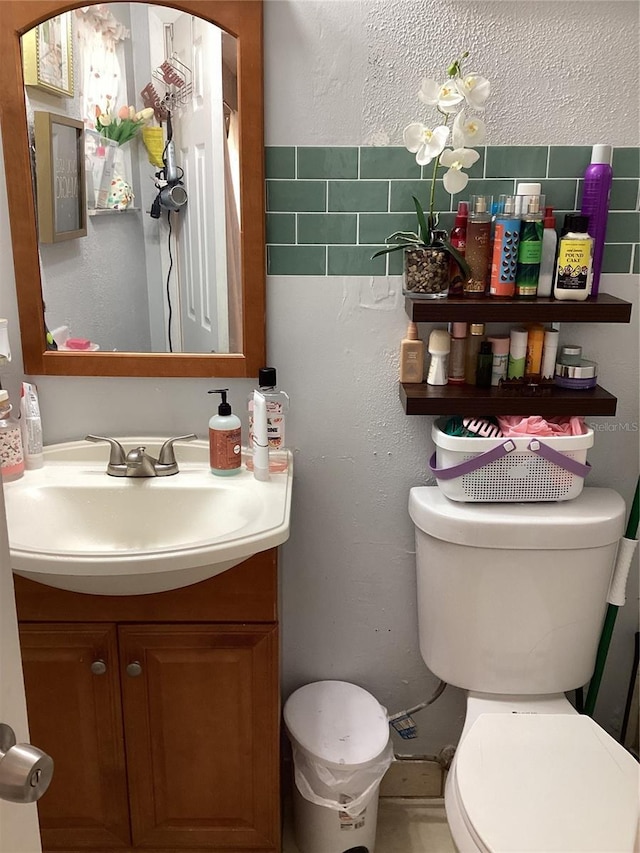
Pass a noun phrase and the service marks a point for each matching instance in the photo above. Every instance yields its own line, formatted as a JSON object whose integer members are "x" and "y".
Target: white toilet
{"x": 511, "y": 601}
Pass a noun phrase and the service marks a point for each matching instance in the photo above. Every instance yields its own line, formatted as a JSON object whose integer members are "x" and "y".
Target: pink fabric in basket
{"x": 513, "y": 425}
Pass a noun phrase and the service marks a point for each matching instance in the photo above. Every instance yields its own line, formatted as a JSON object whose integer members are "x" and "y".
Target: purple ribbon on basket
{"x": 502, "y": 450}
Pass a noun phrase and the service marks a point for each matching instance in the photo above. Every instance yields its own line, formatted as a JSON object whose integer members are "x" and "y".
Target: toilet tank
{"x": 512, "y": 597}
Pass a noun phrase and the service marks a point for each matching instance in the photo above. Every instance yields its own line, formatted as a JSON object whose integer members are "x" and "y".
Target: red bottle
{"x": 458, "y": 239}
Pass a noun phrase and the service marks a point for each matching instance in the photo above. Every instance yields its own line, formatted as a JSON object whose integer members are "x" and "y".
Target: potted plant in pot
{"x": 428, "y": 252}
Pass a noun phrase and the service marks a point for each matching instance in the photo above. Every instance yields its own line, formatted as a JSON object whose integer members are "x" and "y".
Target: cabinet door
{"x": 75, "y": 716}
{"x": 201, "y": 712}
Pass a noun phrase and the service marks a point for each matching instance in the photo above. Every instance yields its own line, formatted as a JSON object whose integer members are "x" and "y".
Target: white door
{"x": 19, "y": 831}
{"x": 200, "y": 139}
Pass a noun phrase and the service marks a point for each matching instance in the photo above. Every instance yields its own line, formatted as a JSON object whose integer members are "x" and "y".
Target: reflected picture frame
{"x": 47, "y": 56}
{"x": 60, "y": 177}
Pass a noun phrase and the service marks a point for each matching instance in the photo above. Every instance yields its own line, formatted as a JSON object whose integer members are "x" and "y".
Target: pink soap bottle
{"x": 595, "y": 205}
{"x": 11, "y": 453}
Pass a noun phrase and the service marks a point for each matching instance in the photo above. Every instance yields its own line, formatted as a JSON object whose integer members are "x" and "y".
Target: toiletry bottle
{"x": 476, "y": 336}
{"x": 570, "y": 354}
{"x": 458, "y": 239}
{"x": 505, "y": 248}
{"x": 595, "y": 204}
{"x": 439, "y": 349}
{"x": 411, "y": 356}
{"x": 260, "y": 438}
{"x": 484, "y": 365}
{"x": 549, "y": 353}
{"x": 549, "y": 250}
{"x": 458, "y": 333}
{"x": 575, "y": 253}
{"x": 31, "y": 426}
{"x": 11, "y": 455}
{"x": 517, "y": 353}
{"x": 500, "y": 350}
{"x": 533, "y": 358}
{"x": 224, "y": 439}
{"x": 530, "y": 250}
{"x": 478, "y": 249}
{"x": 277, "y": 403}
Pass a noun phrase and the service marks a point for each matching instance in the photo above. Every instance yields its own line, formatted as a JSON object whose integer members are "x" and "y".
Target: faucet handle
{"x": 167, "y": 455}
{"x": 117, "y": 455}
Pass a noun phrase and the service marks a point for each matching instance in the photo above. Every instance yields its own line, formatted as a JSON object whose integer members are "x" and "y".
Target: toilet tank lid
{"x": 337, "y": 722}
{"x": 593, "y": 519}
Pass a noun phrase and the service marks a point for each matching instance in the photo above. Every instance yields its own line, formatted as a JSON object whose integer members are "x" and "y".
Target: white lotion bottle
{"x": 224, "y": 439}
{"x": 260, "y": 438}
{"x": 549, "y": 251}
{"x": 439, "y": 349}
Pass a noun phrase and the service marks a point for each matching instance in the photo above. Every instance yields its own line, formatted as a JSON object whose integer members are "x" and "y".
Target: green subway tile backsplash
{"x": 330, "y": 208}
{"x": 626, "y": 162}
{"x": 623, "y": 227}
{"x": 388, "y": 163}
{"x": 294, "y": 196}
{"x": 524, "y": 162}
{"x": 327, "y": 228}
{"x": 358, "y": 196}
{"x": 616, "y": 258}
{"x": 280, "y": 162}
{"x": 401, "y": 201}
{"x": 354, "y": 260}
{"x": 296, "y": 260}
{"x": 327, "y": 163}
{"x": 281, "y": 228}
{"x": 568, "y": 161}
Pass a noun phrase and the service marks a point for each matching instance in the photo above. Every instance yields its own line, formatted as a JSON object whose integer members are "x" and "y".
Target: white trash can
{"x": 339, "y": 734}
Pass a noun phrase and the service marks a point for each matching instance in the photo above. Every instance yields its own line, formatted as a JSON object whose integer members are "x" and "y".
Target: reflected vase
{"x": 120, "y": 195}
{"x": 426, "y": 272}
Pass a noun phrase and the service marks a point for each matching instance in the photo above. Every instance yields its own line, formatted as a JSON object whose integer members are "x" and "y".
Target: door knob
{"x": 98, "y": 667}
{"x": 134, "y": 669}
{"x": 25, "y": 770}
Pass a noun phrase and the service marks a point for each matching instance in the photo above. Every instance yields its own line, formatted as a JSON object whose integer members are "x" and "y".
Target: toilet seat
{"x": 546, "y": 782}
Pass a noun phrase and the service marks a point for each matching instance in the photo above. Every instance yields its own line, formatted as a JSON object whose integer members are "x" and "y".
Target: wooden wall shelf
{"x": 601, "y": 309}
{"x": 470, "y": 400}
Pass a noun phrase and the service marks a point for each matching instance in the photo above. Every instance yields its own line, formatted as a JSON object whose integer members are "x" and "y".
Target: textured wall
{"x": 563, "y": 73}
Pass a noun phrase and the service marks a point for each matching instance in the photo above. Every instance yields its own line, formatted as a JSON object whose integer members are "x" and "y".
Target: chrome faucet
{"x": 137, "y": 462}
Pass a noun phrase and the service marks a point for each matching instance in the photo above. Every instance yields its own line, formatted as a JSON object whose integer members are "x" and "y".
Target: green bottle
{"x": 530, "y": 250}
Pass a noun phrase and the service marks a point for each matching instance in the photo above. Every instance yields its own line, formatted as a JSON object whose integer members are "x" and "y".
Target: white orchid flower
{"x": 469, "y": 131}
{"x": 454, "y": 179}
{"x": 423, "y": 142}
{"x": 474, "y": 88}
{"x": 446, "y": 96}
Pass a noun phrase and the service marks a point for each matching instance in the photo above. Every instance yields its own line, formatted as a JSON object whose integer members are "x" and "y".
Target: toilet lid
{"x": 547, "y": 782}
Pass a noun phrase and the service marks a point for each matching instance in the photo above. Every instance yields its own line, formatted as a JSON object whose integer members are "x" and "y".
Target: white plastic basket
{"x": 510, "y": 469}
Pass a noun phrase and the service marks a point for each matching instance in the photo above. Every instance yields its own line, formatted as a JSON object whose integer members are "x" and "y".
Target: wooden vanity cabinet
{"x": 161, "y": 713}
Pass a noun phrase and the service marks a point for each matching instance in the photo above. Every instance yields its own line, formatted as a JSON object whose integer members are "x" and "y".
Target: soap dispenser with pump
{"x": 224, "y": 439}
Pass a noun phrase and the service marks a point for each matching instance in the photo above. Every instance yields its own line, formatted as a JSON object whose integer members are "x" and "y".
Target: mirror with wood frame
{"x": 50, "y": 263}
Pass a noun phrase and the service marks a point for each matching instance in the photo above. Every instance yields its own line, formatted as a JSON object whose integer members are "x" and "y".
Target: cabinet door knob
{"x": 98, "y": 667}
{"x": 134, "y": 669}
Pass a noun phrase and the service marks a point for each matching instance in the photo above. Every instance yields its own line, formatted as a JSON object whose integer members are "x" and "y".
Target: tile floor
{"x": 404, "y": 826}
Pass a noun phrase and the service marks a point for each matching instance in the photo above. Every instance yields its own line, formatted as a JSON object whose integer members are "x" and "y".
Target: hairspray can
{"x": 505, "y": 248}
{"x": 595, "y": 205}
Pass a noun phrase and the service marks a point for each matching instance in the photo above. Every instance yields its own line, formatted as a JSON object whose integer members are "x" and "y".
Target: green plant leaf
{"x": 397, "y": 248}
{"x": 423, "y": 228}
{"x": 458, "y": 258}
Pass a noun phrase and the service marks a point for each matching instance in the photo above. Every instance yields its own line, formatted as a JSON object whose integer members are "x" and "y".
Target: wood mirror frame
{"x": 240, "y": 18}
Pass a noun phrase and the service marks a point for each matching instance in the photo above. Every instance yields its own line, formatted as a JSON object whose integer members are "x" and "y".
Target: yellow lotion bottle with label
{"x": 412, "y": 356}
{"x": 575, "y": 255}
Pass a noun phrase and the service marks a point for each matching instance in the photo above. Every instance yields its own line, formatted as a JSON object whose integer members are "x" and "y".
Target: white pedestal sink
{"x": 74, "y": 527}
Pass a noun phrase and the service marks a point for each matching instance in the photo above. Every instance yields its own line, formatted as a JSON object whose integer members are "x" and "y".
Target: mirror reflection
{"x": 159, "y": 268}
